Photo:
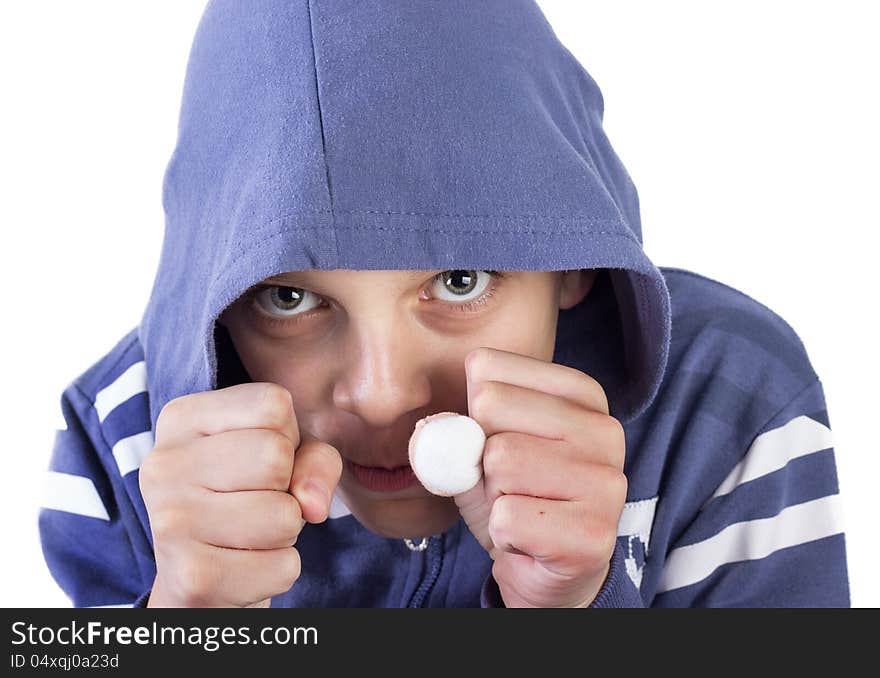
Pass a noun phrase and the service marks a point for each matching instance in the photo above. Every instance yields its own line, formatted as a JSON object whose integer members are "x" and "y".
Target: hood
{"x": 379, "y": 134}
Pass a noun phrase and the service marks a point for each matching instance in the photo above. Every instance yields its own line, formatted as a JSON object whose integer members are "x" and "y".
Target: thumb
{"x": 475, "y": 508}
{"x": 317, "y": 467}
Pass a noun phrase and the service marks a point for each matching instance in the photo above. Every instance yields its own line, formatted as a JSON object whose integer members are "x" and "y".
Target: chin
{"x": 407, "y": 518}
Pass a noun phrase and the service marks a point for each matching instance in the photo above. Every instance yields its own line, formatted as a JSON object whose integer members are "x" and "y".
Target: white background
{"x": 749, "y": 128}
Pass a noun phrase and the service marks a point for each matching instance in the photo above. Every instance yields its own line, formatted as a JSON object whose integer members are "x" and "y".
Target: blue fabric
{"x": 370, "y": 134}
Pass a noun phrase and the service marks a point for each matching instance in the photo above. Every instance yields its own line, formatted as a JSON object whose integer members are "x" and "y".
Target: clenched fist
{"x": 553, "y": 487}
{"x": 228, "y": 486}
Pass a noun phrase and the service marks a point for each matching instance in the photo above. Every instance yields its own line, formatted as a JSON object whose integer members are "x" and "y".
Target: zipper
{"x": 434, "y": 556}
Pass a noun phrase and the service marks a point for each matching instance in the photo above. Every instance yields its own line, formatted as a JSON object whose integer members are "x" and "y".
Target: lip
{"x": 379, "y": 479}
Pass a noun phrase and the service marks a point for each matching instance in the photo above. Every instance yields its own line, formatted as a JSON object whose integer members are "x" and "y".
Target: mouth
{"x": 380, "y": 479}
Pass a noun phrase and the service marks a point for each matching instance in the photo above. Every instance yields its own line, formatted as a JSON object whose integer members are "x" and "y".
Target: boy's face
{"x": 366, "y": 354}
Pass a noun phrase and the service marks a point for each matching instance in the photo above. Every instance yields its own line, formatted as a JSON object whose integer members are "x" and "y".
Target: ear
{"x": 575, "y": 286}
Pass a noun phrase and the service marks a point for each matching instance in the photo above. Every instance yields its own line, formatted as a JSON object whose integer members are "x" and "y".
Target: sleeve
{"x": 771, "y": 534}
{"x": 85, "y": 520}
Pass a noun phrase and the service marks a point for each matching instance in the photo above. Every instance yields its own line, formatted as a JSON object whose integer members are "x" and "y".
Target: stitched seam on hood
{"x": 321, "y": 125}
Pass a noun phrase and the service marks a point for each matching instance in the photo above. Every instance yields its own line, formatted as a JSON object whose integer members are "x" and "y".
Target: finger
{"x": 492, "y": 364}
{"x": 250, "y": 405}
{"x": 244, "y": 459}
{"x": 474, "y": 508}
{"x": 241, "y": 577}
{"x": 517, "y": 463}
{"x": 316, "y": 473}
{"x": 256, "y": 519}
{"x": 560, "y": 535}
{"x": 498, "y": 406}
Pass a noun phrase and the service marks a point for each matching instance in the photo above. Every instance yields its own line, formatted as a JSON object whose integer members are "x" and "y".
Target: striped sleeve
{"x": 772, "y": 533}
{"x": 86, "y": 522}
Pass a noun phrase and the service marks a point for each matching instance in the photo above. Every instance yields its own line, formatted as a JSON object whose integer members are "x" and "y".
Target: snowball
{"x": 446, "y": 453}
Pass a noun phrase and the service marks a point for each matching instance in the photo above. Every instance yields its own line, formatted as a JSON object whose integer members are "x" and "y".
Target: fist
{"x": 228, "y": 486}
{"x": 553, "y": 488}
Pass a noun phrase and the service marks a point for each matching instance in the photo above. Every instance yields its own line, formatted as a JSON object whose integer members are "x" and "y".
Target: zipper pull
{"x": 416, "y": 548}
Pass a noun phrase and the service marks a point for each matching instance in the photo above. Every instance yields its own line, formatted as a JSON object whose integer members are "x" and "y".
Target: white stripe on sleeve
{"x": 637, "y": 519}
{"x": 127, "y": 385}
{"x": 129, "y": 452}
{"x": 773, "y": 449}
{"x": 751, "y": 540}
{"x": 73, "y": 494}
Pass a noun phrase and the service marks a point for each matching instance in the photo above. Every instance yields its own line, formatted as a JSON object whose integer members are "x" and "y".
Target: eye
{"x": 460, "y": 286}
{"x": 279, "y": 300}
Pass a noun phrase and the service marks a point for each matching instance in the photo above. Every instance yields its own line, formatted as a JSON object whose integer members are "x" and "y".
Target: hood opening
{"x": 590, "y": 336}
{"x": 230, "y": 369}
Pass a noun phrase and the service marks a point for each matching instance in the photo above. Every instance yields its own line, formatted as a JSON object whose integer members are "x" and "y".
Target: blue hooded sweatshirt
{"x": 380, "y": 134}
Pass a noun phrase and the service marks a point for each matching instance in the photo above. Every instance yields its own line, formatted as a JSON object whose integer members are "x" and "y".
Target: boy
{"x": 654, "y": 438}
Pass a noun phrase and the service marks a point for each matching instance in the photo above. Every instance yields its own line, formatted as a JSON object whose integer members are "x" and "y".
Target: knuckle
{"x": 198, "y": 581}
{"x": 476, "y": 362}
{"x": 166, "y": 523}
{"x": 616, "y": 485}
{"x": 277, "y": 404}
{"x": 618, "y": 435}
{"x": 277, "y": 458}
{"x": 620, "y": 488}
{"x": 149, "y": 472}
{"x": 501, "y": 518}
{"x": 496, "y": 453}
{"x": 169, "y": 415}
{"x": 602, "y": 396}
{"x": 595, "y": 391}
{"x": 291, "y": 567}
{"x": 483, "y": 399}
{"x": 288, "y": 515}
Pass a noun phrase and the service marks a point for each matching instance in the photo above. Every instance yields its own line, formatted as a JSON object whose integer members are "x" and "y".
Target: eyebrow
{"x": 281, "y": 277}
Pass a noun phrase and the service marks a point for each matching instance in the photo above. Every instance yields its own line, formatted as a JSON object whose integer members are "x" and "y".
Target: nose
{"x": 383, "y": 375}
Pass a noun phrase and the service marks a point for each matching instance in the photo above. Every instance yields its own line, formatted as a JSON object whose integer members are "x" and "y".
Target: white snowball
{"x": 446, "y": 453}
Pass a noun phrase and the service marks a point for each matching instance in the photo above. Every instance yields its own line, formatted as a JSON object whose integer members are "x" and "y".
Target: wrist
{"x": 159, "y": 596}
{"x": 155, "y": 598}
{"x": 597, "y": 584}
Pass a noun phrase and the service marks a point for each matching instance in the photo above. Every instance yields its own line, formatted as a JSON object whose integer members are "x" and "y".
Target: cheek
{"x": 528, "y": 328}
{"x": 300, "y": 372}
